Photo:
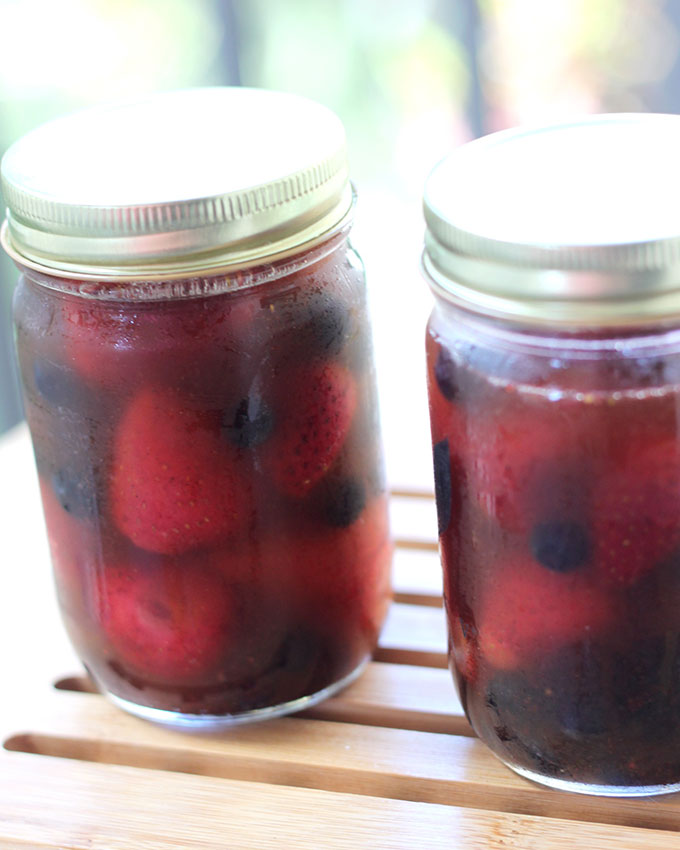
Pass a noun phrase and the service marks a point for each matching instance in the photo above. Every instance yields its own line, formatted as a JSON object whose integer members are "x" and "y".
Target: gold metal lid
{"x": 574, "y": 224}
{"x": 179, "y": 183}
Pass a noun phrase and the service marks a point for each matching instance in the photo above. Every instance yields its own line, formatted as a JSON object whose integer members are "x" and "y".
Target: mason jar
{"x": 554, "y": 382}
{"x": 196, "y": 362}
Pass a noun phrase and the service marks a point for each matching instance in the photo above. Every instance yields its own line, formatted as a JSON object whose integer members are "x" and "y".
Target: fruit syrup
{"x": 212, "y": 487}
{"x": 558, "y": 495}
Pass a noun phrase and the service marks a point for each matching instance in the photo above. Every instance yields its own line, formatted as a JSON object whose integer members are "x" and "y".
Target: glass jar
{"x": 554, "y": 382}
{"x": 196, "y": 361}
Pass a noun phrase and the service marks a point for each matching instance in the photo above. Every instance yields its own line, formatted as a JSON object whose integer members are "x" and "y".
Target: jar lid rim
{"x": 579, "y": 213}
{"x": 210, "y": 177}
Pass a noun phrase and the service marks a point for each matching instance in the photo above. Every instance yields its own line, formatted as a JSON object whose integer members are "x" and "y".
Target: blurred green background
{"x": 410, "y": 79}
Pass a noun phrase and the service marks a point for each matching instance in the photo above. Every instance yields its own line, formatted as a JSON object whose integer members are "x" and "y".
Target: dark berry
{"x": 445, "y": 372}
{"x": 57, "y": 384}
{"x": 325, "y": 325}
{"x": 311, "y": 323}
{"x": 300, "y": 652}
{"x": 250, "y": 424}
{"x": 645, "y": 685}
{"x": 560, "y": 545}
{"x": 509, "y": 696}
{"x": 516, "y": 715}
{"x": 575, "y": 690}
{"x": 75, "y": 492}
{"x": 442, "y": 483}
{"x": 345, "y": 502}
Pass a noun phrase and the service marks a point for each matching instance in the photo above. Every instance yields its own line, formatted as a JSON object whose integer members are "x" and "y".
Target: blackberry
{"x": 75, "y": 492}
{"x": 445, "y": 372}
{"x": 312, "y": 324}
{"x": 57, "y": 384}
{"x": 560, "y": 545}
{"x": 345, "y": 502}
{"x": 576, "y": 693}
{"x": 442, "y": 483}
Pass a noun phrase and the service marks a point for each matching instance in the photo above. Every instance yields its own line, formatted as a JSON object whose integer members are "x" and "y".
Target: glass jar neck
{"x": 192, "y": 286}
{"x": 588, "y": 340}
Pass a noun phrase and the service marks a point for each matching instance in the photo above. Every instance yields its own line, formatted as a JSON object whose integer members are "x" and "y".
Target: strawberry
{"x": 636, "y": 524}
{"x": 343, "y": 575}
{"x": 327, "y": 572}
{"x": 314, "y": 417}
{"x": 168, "y": 622}
{"x": 528, "y": 610}
{"x": 195, "y": 346}
{"x": 175, "y": 483}
{"x": 462, "y": 647}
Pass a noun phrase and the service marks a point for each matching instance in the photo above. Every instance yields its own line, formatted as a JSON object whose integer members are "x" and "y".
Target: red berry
{"x": 637, "y": 512}
{"x": 344, "y": 574}
{"x": 167, "y": 622}
{"x": 463, "y": 650}
{"x": 529, "y": 611}
{"x": 175, "y": 483}
{"x": 314, "y": 415}
{"x": 195, "y": 346}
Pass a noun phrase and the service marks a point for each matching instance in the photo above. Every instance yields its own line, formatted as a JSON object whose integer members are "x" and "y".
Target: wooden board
{"x": 390, "y": 762}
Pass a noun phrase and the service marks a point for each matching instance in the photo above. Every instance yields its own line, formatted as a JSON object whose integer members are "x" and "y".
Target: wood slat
{"x": 343, "y": 758}
{"x": 414, "y": 522}
{"x": 79, "y": 806}
{"x": 414, "y": 634}
{"x": 417, "y": 577}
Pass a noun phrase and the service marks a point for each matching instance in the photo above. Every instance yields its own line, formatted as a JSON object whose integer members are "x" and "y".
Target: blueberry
{"x": 75, "y": 492}
{"x": 445, "y": 372}
{"x": 560, "y": 545}
{"x": 442, "y": 483}
{"x": 345, "y": 502}
{"x": 250, "y": 424}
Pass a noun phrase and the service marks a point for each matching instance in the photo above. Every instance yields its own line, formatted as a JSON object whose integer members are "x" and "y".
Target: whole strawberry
{"x": 528, "y": 611}
{"x": 176, "y": 484}
{"x": 314, "y": 413}
{"x": 168, "y": 622}
{"x": 636, "y": 523}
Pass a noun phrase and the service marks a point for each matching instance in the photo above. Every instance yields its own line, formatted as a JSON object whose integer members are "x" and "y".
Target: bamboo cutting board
{"x": 389, "y": 763}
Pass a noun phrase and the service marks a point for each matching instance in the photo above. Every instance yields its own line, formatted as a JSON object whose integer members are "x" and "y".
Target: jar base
{"x": 207, "y": 722}
{"x": 593, "y": 789}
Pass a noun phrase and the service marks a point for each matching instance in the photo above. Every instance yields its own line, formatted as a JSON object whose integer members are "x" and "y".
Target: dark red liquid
{"x": 211, "y": 477}
{"x": 558, "y": 487}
